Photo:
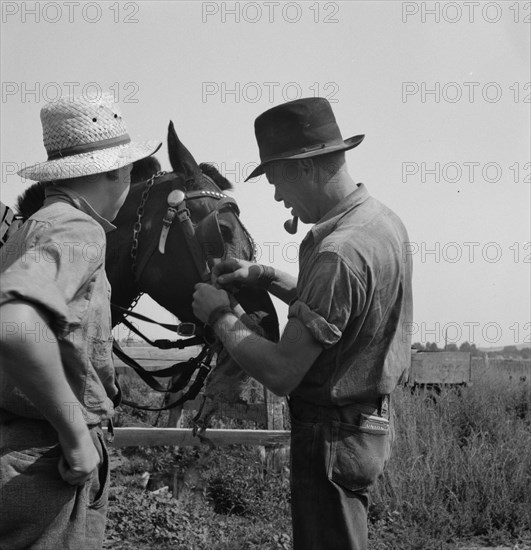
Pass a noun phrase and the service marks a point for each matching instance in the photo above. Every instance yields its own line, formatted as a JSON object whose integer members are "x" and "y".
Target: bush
{"x": 238, "y": 483}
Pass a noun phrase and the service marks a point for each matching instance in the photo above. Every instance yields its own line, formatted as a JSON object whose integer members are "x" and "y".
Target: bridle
{"x": 205, "y": 243}
{"x": 204, "y": 239}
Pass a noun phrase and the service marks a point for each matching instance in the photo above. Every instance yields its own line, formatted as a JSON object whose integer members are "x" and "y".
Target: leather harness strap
{"x": 184, "y": 370}
{"x": 177, "y": 328}
{"x": 195, "y": 340}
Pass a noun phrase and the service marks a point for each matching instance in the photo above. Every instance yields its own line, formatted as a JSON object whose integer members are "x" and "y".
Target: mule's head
{"x": 169, "y": 277}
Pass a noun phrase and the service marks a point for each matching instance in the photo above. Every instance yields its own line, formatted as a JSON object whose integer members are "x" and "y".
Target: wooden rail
{"x": 150, "y": 437}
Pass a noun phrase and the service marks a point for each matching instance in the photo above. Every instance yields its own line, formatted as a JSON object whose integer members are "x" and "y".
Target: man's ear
{"x": 295, "y": 170}
{"x": 114, "y": 175}
{"x": 306, "y": 166}
{"x": 307, "y": 169}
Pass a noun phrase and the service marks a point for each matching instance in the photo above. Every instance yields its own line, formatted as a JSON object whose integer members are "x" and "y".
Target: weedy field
{"x": 459, "y": 476}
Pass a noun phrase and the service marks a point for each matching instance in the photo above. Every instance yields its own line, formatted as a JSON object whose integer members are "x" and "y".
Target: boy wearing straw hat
{"x": 343, "y": 349}
{"x": 57, "y": 381}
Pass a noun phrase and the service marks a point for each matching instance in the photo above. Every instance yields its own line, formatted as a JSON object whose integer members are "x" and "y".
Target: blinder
{"x": 209, "y": 233}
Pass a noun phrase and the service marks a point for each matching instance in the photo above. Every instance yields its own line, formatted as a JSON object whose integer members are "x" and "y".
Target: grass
{"x": 460, "y": 474}
{"x": 461, "y": 469}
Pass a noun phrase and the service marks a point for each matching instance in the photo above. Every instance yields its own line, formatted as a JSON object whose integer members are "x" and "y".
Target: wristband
{"x": 217, "y": 313}
{"x": 266, "y": 277}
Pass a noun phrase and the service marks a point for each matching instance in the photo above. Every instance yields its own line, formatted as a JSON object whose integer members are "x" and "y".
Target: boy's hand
{"x": 79, "y": 460}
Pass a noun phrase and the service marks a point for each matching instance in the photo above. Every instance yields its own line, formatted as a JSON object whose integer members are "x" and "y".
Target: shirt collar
{"x": 56, "y": 192}
{"x": 328, "y": 222}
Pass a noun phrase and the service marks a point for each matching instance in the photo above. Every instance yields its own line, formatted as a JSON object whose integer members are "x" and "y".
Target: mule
{"x": 136, "y": 261}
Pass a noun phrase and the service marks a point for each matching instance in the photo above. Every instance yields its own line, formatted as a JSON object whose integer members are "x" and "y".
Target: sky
{"x": 440, "y": 89}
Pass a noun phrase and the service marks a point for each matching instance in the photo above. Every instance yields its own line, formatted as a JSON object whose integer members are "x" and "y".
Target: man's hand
{"x": 207, "y": 298}
{"x": 80, "y": 458}
{"x": 236, "y": 271}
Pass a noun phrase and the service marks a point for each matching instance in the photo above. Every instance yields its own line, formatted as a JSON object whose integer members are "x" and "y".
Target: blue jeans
{"x": 38, "y": 509}
{"x": 337, "y": 453}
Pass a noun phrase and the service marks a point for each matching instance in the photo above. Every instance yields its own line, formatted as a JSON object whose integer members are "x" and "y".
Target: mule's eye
{"x": 226, "y": 233}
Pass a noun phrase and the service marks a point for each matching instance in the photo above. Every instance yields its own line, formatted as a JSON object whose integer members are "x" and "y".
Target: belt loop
{"x": 288, "y": 401}
{"x": 383, "y": 406}
{"x": 109, "y": 437}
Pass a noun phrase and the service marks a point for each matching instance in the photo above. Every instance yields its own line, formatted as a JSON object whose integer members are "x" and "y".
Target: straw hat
{"x": 85, "y": 136}
{"x": 299, "y": 129}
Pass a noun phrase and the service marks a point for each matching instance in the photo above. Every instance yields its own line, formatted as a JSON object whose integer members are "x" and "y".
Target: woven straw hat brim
{"x": 94, "y": 162}
{"x": 347, "y": 144}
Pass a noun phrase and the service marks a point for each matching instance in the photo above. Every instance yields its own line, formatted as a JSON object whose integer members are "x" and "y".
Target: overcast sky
{"x": 441, "y": 90}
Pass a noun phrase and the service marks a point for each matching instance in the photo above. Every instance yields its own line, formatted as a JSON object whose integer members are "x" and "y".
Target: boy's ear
{"x": 113, "y": 175}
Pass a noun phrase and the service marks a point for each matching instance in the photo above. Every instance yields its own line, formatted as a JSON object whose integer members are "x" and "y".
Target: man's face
{"x": 290, "y": 179}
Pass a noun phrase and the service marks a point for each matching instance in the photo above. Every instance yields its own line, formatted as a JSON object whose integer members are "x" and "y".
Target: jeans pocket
{"x": 358, "y": 452}
{"x": 48, "y": 453}
{"x": 99, "y": 488}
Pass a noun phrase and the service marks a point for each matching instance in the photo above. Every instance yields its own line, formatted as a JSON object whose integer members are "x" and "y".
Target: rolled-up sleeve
{"x": 52, "y": 267}
{"x": 328, "y": 297}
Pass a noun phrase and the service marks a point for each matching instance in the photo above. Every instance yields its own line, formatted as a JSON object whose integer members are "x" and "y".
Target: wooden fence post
{"x": 276, "y": 457}
{"x": 175, "y": 418}
{"x": 275, "y": 410}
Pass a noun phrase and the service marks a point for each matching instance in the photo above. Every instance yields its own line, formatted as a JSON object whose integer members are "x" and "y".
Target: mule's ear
{"x": 181, "y": 160}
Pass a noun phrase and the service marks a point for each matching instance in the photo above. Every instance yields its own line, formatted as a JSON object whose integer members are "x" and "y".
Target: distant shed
{"x": 441, "y": 367}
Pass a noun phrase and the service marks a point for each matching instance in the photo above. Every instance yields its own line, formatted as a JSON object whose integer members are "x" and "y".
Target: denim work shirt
{"x": 56, "y": 261}
{"x": 354, "y": 295}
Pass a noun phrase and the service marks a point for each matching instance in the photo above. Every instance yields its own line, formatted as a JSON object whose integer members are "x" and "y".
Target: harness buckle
{"x": 183, "y": 214}
{"x": 169, "y": 217}
{"x": 186, "y": 329}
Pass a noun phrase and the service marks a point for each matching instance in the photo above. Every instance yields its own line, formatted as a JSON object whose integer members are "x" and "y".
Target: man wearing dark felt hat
{"x": 344, "y": 348}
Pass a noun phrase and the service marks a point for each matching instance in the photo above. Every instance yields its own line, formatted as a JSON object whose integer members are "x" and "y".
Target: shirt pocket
{"x": 99, "y": 372}
{"x": 358, "y": 452}
{"x": 98, "y": 332}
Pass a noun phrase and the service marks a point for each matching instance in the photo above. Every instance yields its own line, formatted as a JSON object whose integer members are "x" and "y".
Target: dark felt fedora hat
{"x": 299, "y": 129}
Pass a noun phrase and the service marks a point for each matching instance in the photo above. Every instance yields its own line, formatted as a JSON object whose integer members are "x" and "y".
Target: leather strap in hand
{"x": 267, "y": 276}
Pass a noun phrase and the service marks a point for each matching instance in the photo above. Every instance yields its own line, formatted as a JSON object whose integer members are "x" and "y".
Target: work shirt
{"x": 354, "y": 295}
{"x": 56, "y": 261}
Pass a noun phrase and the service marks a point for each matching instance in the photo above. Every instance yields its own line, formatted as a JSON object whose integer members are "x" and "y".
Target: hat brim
{"x": 347, "y": 144}
{"x": 88, "y": 164}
